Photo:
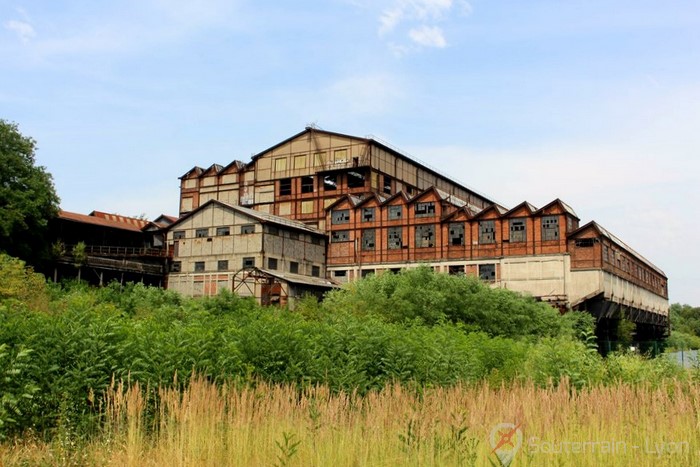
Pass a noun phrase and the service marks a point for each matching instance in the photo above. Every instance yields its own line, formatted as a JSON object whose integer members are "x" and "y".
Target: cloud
{"x": 24, "y": 30}
{"x": 416, "y": 21}
{"x": 428, "y": 36}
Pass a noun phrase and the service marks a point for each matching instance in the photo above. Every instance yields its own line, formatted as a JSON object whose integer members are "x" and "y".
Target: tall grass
{"x": 267, "y": 424}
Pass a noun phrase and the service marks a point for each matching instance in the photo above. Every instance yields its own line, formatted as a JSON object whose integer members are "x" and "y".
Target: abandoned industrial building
{"x": 369, "y": 208}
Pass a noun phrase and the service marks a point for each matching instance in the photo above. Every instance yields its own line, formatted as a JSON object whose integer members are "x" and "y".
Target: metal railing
{"x": 124, "y": 251}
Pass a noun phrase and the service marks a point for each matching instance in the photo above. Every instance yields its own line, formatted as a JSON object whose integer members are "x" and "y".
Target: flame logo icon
{"x": 506, "y": 439}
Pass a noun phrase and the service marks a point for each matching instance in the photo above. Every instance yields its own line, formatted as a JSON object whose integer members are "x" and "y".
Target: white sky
{"x": 594, "y": 102}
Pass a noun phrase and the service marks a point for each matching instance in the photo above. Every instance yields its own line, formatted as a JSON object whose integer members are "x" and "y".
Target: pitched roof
{"x": 262, "y": 217}
{"x": 524, "y": 204}
{"x": 301, "y": 279}
{"x": 101, "y": 221}
{"x": 609, "y": 235}
{"x": 568, "y": 209}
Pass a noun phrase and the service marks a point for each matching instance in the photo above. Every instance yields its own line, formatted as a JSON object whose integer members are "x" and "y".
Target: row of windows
{"x": 626, "y": 264}
{"x": 330, "y": 182}
{"x": 425, "y": 234}
{"x": 302, "y": 161}
{"x": 487, "y": 272}
{"x": 219, "y": 231}
{"x": 247, "y": 262}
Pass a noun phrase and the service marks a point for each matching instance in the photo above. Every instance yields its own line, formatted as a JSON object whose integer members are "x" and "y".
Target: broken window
{"x": 356, "y": 179}
{"x": 222, "y": 265}
{"x": 487, "y": 272}
{"x": 457, "y": 234}
{"x": 176, "y": 266}
{"x": 285, "y": 187}
{"x": 487, "y": 232}
{"x": 340, "y": 236}
{"x": 425, "y": 236}
{"x": 341, "y": 216}
{"x": 199, "y": 266}
{"x": 605, "y": 253}
{"x": 367, "y": 214}
{"x": 550, "y": 228}
{"x": 249, "y": 262}
{"x": 249, "y": 229}
{"x": 518, "y": 232}
{"x": 395, "y": 212}
{"x": 368, "y": 239}
{"x": 307, "y": 184}
{"x": 456, "y": 270}
{"x": 271, "y": 263}
{"x": 199, "y": 233}
{"x": 367, "y": 272}
{"x": 395, "y": 238}
{"x": 178, "y": 234}
{"x": 223, "y": 231}
{"x": 340, "y": 273}
{"x": 330, "y": 182}
{"x": 585, "y": 242}
{"x": 294, "y": 267}
{"x": 387, "y": 185}
{"x": 425, "y": 209}
{"x": 315, "y": 271}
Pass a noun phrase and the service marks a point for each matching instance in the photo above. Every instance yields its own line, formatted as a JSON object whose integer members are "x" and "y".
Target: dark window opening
{"x": 395, "y": 212}
{"x": 315, "y": 240}
{"x": 340, "y": 217}
{"x": 271, "y": 263}
{"x": 222, "y": 265}
{"x": 249, "y": 262}
{"x": 367, "y": 272}
{"x": 340, "y": 273}
{"x": 456, "y": 270}
{"x": 387, "y": 185}
{"x": 367, "y": 214}
{"x": 585, "y": 242}
{"x": 487, "y": 232}
{"x": 285, "y": 187}
{"x": 518, "y": 232}
{"x": 330, "y": 182}
{"x": 223, "y": 231}
{"x": 307, "y": 184}
{"x": 487, "y": 272}
{"x": 294, "y": 267}
{"x": 199, "y": 266}
{"x": 176, "y": 266}
{"x": 457, "y": 234}
{"x": 395, "y": 238}
{"x": 315, "y": 271}
{"x": 178, "y": 234}
{"x": 550, "y": 228}
{"x": 368, "y": 239}
{"x": 338, "y": 236}
{"x": 425, "y": 209}
{"x": 356, "y": 179}
{"x": 271, "y": 229}
{"x": 200, "y": 233}
{"x": 249, "y": 229}
{"x": 294, "y": 235}
{"x": 425, "y": 236}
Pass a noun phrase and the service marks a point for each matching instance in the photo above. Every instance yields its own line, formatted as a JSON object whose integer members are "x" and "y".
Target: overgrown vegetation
{"x": 685, "y": 322}
{"x": 62, "y": 347}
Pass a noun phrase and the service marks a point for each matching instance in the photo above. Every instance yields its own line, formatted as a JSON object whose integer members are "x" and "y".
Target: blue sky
{"x": 594, "y": 102}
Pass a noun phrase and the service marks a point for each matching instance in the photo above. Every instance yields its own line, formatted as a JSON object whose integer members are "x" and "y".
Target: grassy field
{"x": 277, "y": 425}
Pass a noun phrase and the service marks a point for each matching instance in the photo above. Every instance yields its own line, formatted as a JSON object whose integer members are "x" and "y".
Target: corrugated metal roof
{"x": 101, "y": 221}
{"x": 301, "y": 279}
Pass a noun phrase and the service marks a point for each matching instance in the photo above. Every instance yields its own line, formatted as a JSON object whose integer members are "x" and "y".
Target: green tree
{"x": 28, "y": 199}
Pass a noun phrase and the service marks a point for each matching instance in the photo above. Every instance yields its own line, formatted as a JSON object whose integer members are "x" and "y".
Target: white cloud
{"x": 416, "y": 20}
{"x": 24, "y": 30}
{"x": 365, "y": 94}
{"x": 428, "y": 36}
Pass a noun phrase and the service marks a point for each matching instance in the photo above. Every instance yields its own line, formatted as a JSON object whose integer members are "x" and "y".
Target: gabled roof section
{"x": 497, "y": 208}
{"x": 524, "y": 205}
{"x": 96, "y": 220}
{"x": 194, "y": 172}
{"x": 372, "y": 196}
{"x": 401, "y": 194}
{"x": 262, "y": 217}
{"x": 233, "y": 167}
{"x": 602, "y": 231}
{"x": 380, "y": 144}
{"x": 353, "y": 200}
{"x": 213, "y": 169}
{"x": 468, "y": 213}
{"x": 564, "y": 207}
